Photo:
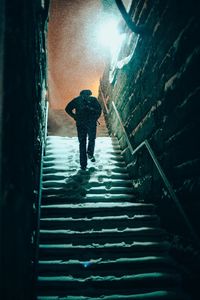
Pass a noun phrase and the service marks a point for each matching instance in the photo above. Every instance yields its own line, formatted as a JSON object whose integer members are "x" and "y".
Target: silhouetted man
{"x": 87, "y": 111}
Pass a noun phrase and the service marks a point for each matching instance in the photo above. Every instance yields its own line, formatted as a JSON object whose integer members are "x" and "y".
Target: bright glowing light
{"x": 108, "y": 35}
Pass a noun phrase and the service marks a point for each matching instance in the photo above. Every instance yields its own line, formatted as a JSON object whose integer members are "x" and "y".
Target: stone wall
{"x": 155, "y": 85}
{"x": 23, "y": 115}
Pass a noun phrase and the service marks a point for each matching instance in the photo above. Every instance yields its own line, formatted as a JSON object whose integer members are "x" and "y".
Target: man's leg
{"x": 91, "y": 137}
{"x": 82, "y": 135}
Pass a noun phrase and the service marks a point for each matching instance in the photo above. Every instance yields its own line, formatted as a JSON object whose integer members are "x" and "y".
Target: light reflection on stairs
{"x": 97, "y": 241}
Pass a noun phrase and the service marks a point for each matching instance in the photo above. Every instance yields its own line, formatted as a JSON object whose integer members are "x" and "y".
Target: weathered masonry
{"x": 154, "y": 85}
{"x": 22, "y": 115}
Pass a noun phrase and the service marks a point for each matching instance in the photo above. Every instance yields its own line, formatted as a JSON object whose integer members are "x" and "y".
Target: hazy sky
{"x": 74, "y": 60}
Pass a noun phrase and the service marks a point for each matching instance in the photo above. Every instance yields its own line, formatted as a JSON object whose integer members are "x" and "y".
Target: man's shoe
{"x": 92, "y": 158}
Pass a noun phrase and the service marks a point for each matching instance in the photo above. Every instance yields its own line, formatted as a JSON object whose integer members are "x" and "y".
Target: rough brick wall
{"x": 22, "y": 127}
{"x": 157, "y": 96}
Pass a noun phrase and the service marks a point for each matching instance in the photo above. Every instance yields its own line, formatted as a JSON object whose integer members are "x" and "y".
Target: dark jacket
{"x": 86, "y": 110}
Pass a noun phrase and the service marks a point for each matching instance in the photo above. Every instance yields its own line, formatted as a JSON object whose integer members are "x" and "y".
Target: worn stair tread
{"x": 111, "y": 174}
{"x": 103, "y": 218}
{"x": 155, "y": 295}
{"x": 138, "y": 265}
{"x": 100, "y": 250}
{"x": 97, "y": 205}
{"x": 91, "y": 189}
{"x": 98, "y": 181}
{"x": 141, "y": 276}
{"x": 95, "y": 167}
{"x": 64, "y": 146}
{"x": 96, "y": 285}
{"x": 81, "y": 196}
{"x": 84, "y": 237}
{"x": 55, "y": 138}
{"x": 105, "y": 175}
{"x": 123, "y": 260}
{"x": 141, "y": 231}
{"x": 109, "y": 156}
{"x": 65, "y": 174}
{"x": 108, "y": 245}
{"x": 82, "y": 191}
{"x": 99, "y": 222}
{"x": 96, "y": 209}
{"x": 116, "y": 171}
{"x": 111, "y": 164}
{"x": 98, "y": 168}
{"x": 65, "y": 151}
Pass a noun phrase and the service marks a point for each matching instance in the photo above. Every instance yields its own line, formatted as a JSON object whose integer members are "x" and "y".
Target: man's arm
{"x": 69, "y": 109}
{"x": 95, "y": 107}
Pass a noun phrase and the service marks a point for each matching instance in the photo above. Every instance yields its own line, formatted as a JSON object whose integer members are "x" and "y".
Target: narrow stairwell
{"x": 97, "y": 241}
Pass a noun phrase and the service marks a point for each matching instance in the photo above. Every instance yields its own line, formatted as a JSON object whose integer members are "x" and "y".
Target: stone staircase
{"x": 97, "y": 241}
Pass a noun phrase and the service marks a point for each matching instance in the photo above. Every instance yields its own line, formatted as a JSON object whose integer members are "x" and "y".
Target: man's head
{"x": 85, "y": 93}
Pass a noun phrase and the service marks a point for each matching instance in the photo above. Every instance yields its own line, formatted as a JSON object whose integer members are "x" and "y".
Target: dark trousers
{"x": 86, "y": 131}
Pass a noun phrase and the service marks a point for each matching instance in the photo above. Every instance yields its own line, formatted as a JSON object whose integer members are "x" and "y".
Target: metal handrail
{"x": 160, "y": 170}
{"x": 46, "y": 120}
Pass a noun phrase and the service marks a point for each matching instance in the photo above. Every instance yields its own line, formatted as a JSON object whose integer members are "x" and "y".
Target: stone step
{"x": 63, "y": 138}
{"x": 105, "y": 175}
{"x": 96, "y": 191}
{"x": 112, "y": 164}
{"x": 88, "y": 209}
{"x": 103, "y": 251}
{"x": 109, "y": 175}
{"x": 109, "y": 156}
{"x": 108, "y": 152}
{"x": 127, "y": 235}
{"x": 81, "y": 197}
{"x": 105, "y": 235}
{"x": 96, "y": 168}
{"x": 155, "y": 295}
{"x": 60, "y": 139}
{"x": 107, "y": 285}
{"x": 101, "y": 141}
{"x": 100, "y": 222}
{"x": 100, "y": 267}
{"x": 98, "y": 181}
